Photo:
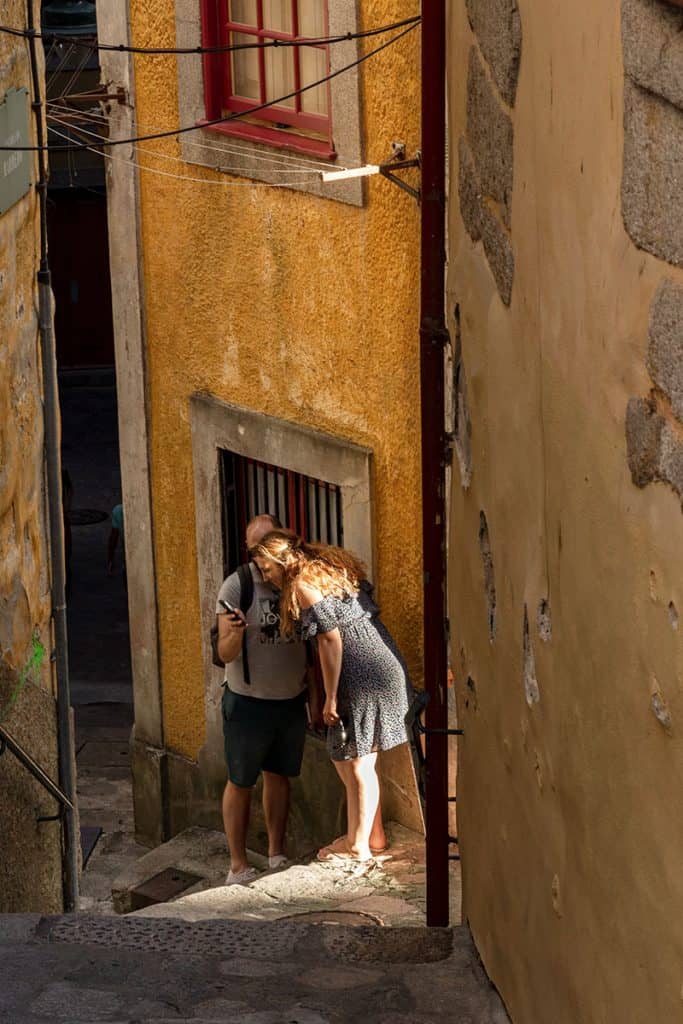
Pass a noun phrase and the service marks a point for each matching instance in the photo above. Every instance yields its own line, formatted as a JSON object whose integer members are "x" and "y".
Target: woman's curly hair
{"x": 331, "y": 570}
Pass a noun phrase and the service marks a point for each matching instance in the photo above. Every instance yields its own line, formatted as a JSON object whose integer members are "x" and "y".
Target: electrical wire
{"x": 227, "y": 48}
{"x": 53, "y": 118}
{"x": 279, "y": 162}
{"x": 224, "y": 120}
{"x": 182, "y": 177}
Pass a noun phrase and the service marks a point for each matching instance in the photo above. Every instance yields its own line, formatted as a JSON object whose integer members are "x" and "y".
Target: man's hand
{"x": 231, "y": 627}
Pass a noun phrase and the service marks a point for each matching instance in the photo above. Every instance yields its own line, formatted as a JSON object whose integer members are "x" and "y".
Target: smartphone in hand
{"x": 233, "y": 612}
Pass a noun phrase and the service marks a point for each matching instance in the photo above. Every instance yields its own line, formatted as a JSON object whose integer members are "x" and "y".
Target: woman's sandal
{"x": 336, "y": 846}
{"x": 338, "y": 852}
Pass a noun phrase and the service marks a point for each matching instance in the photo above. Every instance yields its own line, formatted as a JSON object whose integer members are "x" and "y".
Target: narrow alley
{"x": 341, "y": 492}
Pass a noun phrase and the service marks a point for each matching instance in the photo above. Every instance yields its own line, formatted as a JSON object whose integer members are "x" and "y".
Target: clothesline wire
{"x": 227, "y": 48}
{"x": 181, "y": 177}
{"x": 284, "y": 161}
{"x": 107, "y": 143}
{"x": 54, "y": 118}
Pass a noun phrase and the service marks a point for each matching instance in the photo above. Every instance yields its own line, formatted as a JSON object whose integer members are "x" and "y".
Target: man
{"x": 264, "y": 714}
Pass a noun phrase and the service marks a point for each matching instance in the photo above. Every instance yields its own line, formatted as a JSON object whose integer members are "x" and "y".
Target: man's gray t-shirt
{"x": 276, "y": 666}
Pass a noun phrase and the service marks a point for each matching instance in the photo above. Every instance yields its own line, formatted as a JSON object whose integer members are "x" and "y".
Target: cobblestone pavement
{"x": 105, "y": 800}
{"x": 127, "y": 970}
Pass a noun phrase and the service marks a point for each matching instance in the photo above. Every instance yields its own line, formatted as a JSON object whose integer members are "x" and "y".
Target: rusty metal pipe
{"x": 53, "y": 473}
{"x": 433, "y": 337}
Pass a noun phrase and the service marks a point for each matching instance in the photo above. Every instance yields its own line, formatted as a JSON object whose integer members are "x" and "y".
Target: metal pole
{"x": 67, "y": 779}
{"x": 433, "y": 336}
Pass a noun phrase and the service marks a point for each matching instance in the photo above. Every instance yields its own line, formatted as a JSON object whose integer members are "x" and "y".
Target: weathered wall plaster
{"x": 30, "y": 872}
{"x": 292, "y": 305}
{"x": 570, "y": 850}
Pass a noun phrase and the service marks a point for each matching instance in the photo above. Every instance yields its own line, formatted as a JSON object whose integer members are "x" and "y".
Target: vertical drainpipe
{"x": 65, "y": 742}
{"x": 433, "y": 337}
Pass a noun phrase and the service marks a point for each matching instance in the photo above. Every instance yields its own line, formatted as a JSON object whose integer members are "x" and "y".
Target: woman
{"x": 325, "y": 592}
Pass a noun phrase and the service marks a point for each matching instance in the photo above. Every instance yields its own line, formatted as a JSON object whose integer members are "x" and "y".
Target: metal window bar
{"x": 310, "y": 507}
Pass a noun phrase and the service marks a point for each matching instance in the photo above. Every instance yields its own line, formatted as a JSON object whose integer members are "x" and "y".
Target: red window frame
{"x": 220, "y": 100}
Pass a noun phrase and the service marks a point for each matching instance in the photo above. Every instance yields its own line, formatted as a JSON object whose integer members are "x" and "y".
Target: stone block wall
{"x": 29, "y": 852}
{"x": 652, "y": 206}
{"x": 486, "y": 149}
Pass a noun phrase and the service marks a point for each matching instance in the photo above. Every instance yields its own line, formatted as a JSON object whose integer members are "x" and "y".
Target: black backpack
{"x": 246, "y": 601}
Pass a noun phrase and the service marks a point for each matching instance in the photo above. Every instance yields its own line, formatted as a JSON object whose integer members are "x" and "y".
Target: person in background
{"x": 115, "y": 535}
{"x": 367, "y": 690}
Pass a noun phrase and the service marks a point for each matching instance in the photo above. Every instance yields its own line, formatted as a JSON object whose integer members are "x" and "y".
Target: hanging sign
{"x": 15, "y": 164}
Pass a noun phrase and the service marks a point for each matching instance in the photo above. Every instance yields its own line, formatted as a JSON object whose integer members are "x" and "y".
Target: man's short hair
{"x": 275, "y": 522}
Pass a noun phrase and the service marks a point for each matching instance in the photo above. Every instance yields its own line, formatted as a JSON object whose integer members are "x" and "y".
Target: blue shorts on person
{"x": 262, "y": 735}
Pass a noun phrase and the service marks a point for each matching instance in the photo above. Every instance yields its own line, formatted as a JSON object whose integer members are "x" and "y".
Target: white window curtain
{"x": 279, "y": 63}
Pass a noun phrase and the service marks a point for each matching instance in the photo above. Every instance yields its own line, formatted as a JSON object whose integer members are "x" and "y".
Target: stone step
{"x": 86, "y": 968}
{"x": 391, "y": 892}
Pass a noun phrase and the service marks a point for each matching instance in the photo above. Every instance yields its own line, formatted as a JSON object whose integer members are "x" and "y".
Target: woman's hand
{"x": 330, "y": 716}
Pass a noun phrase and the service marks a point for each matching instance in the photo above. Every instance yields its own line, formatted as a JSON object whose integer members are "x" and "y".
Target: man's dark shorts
{"x": 262, "y": 735}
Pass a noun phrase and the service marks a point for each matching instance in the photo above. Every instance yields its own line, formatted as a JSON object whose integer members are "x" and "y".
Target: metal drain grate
{"x": 162, "y": 887}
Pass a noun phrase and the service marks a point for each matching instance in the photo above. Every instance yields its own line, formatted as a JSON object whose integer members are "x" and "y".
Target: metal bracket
{"x": 441, "y": 732}
{"x": 52, "y": 817}
{"x": 398, "y": 162}
{"x": 386, "y": 170}
{"x": 415, "y": 724}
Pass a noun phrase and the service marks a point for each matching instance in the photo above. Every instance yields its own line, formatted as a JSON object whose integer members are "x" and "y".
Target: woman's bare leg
{"x": 378, "y": 837}
{"x": 363, "y": 812}
{"x": 341, "y": 845}
{"x": 364, "y": 785}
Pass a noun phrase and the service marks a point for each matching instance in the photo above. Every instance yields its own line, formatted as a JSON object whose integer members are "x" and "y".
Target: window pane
{"x": 311, "y": 18}
{"x": 277, "y": 15}
{"x": 313, "y": 64}
{"x": 279, "y": 74}
{"x": 245, "y": 77}
{"x": 244, "y": 11}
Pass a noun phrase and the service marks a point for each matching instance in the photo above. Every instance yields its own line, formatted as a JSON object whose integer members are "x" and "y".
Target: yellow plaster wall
{"x": 296, "y": 306}
{"x": 569, "y": 810}
{"x": 23, "y": 583}
{"x": 30, "y": 861}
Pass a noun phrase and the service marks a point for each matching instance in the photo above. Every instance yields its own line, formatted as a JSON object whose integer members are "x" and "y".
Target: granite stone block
{"x": 652, "y": 38}
{"x": 652, "y": 184}
{"x": 489, "y": 134}
{"x": 665, "y": 351}
{"x": 498, "y": 28}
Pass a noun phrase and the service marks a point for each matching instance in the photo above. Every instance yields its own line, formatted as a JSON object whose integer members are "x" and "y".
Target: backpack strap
{"x": 246, "y": 601}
